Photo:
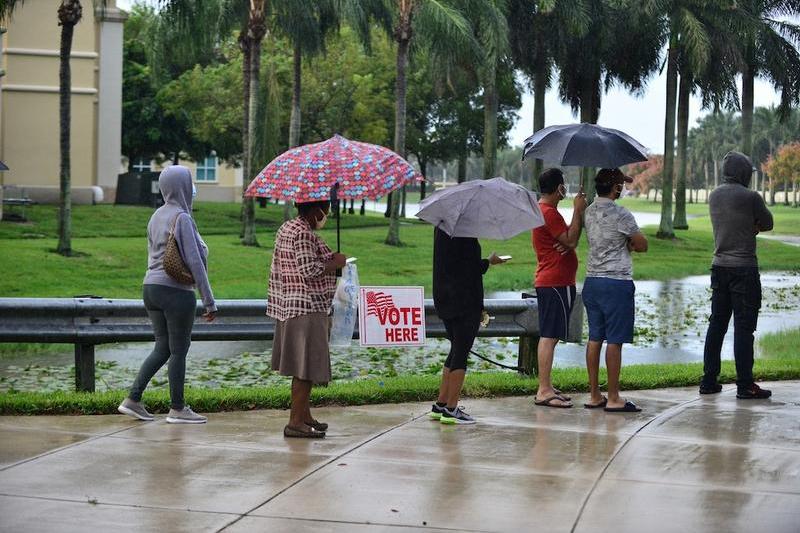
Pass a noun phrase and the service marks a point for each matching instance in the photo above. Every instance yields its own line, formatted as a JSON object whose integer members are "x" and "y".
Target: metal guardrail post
{"x": 84, "y": 367}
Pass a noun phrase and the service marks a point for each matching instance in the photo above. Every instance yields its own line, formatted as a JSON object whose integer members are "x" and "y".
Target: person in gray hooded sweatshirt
{"x": 171, "y": 305}
{"x": 737, "y": 215}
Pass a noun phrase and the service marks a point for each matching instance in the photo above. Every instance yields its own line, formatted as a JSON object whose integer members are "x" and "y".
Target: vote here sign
{"x": 391, "y": 316}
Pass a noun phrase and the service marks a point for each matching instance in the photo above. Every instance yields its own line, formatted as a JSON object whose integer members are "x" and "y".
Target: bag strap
{"x": 174, "y": 224}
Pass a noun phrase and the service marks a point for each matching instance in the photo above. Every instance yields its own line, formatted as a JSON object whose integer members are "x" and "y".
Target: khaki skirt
{"x": 300, "y": 348}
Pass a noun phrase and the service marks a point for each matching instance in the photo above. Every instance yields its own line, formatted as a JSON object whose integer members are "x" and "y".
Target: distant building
{"x": 29, "y": 117}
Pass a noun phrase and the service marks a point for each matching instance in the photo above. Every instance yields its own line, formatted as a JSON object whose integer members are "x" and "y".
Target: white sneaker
{"x": 185, "y": 416}
{"x": 135, "y": 410}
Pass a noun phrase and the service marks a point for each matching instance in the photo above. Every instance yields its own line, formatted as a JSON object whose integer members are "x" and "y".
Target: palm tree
{"x": 536, "y": 28}
{"x": 70, "y": 13}
{"x": 307, "y": 23}
{"x": 621, "y": 45}
{"x": 442, "y": 28}
{"x": 689, "y": 42}
{"x": 715, "y": 81}
{"x": 768, "y": 48}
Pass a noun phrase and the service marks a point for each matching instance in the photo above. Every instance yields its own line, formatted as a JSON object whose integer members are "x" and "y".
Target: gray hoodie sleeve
{"x": 762, "y": 215}
{"x": 195, "y": 258}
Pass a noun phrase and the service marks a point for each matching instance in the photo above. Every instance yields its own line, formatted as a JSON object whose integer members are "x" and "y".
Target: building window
{"x": 141, "y": 165}
{"x": 207, "y": 168}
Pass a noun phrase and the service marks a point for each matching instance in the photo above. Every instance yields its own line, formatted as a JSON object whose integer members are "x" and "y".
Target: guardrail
{"x": 89, "y": 321}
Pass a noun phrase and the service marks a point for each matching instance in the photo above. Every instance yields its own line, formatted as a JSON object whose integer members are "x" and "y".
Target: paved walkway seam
{"x": 320, "y": 467}
{"x": 67, "y": 447}
{"x": 663, "y": 417}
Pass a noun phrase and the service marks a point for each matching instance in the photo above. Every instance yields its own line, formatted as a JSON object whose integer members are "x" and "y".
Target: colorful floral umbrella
{"x": 307, "y": 173}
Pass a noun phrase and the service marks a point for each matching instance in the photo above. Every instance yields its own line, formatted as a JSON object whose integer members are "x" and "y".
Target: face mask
{"x": 321, "y": 222}
{"x": 194, "y": 191}
{"x": 562, "y": 191}
{"x": 624, "y": 192}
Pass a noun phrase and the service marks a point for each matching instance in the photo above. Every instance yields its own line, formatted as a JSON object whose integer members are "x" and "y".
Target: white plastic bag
{"x": 345, "y": 307}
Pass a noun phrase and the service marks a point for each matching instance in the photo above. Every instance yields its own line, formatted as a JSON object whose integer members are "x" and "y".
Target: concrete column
{"x": 109, "y": 102}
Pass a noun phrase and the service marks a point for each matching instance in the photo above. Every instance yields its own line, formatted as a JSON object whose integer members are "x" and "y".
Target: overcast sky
{"x": 642, "y": 117}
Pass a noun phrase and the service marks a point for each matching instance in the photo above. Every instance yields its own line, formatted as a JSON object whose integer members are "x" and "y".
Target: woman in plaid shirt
{"x": 302, "y": 281}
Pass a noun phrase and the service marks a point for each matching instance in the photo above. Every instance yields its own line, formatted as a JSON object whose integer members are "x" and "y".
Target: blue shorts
{"x": 554, "y": 308}
{"x": 610, "y": 309}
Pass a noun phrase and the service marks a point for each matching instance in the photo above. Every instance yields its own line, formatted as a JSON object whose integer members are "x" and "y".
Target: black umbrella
{"x": 584, "y": 145}
{"x": 3, "y": 166}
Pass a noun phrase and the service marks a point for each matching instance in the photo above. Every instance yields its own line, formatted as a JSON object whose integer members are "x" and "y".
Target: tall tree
{"x": 769, "y": 50}
{"x": 70, "y": 13}
{"x": 621, "y": 45}
{"x": 536, "y": 30}
{"x": 442, "y": 28}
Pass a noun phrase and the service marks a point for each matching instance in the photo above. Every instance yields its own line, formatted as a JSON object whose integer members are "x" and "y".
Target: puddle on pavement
{"x": 671, "y": 320}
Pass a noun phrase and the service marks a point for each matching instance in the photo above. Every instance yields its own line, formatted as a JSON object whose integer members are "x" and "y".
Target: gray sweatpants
{"x": 172, "y": 313}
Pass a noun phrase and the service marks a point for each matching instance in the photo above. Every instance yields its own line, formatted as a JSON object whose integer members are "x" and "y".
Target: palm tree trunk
{"x": 539, "y": 90}
{"x": 716, "y": 173}
{"x": 294, "y": 121}
{"x": 393, "y": 238}
{"x": 771, "y": 191}
{"x": 423, "y": 166}
{"x": 794, "y": 194}
{"x": 462, "y": 164}
{"x": 69, "y": 14}
{"x": 244, "y": 44}
{"x": 705, "y": 171}
{"x": 589, "y": 112}
{"x": 490, "y": 122}
{"x": 748, "y": 79}
{"x": 255, "y": 33}
{"x": 684, "y": 90}
{"x": 665, "y": 229}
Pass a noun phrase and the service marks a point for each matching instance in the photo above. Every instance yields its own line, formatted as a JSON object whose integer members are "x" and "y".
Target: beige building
{"x": 29, "y": 118}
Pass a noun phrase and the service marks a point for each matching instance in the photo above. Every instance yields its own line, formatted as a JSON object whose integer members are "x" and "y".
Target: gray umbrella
{"x": 485, "y": 209}
{"x": 584, "y": 145}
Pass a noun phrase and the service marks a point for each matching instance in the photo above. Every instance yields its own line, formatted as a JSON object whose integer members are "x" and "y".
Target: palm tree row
{"x": 586, "y": 46}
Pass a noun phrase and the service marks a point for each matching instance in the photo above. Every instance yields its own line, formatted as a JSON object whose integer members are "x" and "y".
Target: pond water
{"x": 642, "y": 219}
{"x": 671, "y": 320}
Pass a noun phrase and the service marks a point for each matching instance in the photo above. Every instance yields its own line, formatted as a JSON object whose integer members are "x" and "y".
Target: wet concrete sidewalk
{"x": 686, "y": 463}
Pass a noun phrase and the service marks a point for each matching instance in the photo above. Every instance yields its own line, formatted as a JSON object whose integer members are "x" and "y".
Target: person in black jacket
{"x": 458, "y": 297}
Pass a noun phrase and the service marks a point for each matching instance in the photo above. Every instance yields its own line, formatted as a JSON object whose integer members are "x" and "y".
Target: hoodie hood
{"x": 737, "y": 168}
{"x": 175, "y": 183}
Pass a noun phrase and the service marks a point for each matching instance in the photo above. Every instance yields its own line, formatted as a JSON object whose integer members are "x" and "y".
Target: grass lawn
{"x": 787, "y": 218}
{"x": 113, "y": 247}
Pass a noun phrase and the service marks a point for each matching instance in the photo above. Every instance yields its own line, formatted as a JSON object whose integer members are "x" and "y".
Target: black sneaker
{"x": 710, "y": 389}
{"x": 753, "y": 392}
{"x": 456, "y": 416}
{"x": 436, "y": 412}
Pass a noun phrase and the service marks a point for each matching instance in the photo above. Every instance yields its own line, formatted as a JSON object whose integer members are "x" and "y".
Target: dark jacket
{"x": 457, "y": 275}
{"x": 736, "y": 212}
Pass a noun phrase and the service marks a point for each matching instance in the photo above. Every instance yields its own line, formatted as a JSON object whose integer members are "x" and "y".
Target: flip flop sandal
{"x": 549, "y": 402}
{"x": 602, "y": 403}
{"x": 309, "y": 433}
{"x": 562, "y": 395}
{"x": 629, "y": 407}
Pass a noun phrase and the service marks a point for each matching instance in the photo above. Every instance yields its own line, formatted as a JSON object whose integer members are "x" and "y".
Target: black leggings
{"x": 461, "y": 331}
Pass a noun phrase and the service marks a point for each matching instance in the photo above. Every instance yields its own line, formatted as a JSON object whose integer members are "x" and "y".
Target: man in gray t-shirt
{"x": 608, "y": 289}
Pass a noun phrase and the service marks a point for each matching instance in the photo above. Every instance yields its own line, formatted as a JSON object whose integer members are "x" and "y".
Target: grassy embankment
{"x": 778, "y": 361}
{"x": 112, "y": 239}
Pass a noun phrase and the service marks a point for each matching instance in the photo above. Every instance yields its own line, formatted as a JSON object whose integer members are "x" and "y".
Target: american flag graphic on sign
{"x": 378, "y": 301}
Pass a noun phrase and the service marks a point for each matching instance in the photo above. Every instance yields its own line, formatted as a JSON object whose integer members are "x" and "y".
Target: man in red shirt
{"x": 555, "y": 244}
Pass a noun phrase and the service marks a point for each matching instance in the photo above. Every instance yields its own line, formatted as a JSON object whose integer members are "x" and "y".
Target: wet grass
{"x": 114, "y": 267}
{"x": 398, "y": 389}
{"x": 781, "y": 345}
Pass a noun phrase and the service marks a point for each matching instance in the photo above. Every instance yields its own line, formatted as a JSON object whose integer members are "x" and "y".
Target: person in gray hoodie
{"x": 171, "y": 305}
{"x": 737, "y": 215}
